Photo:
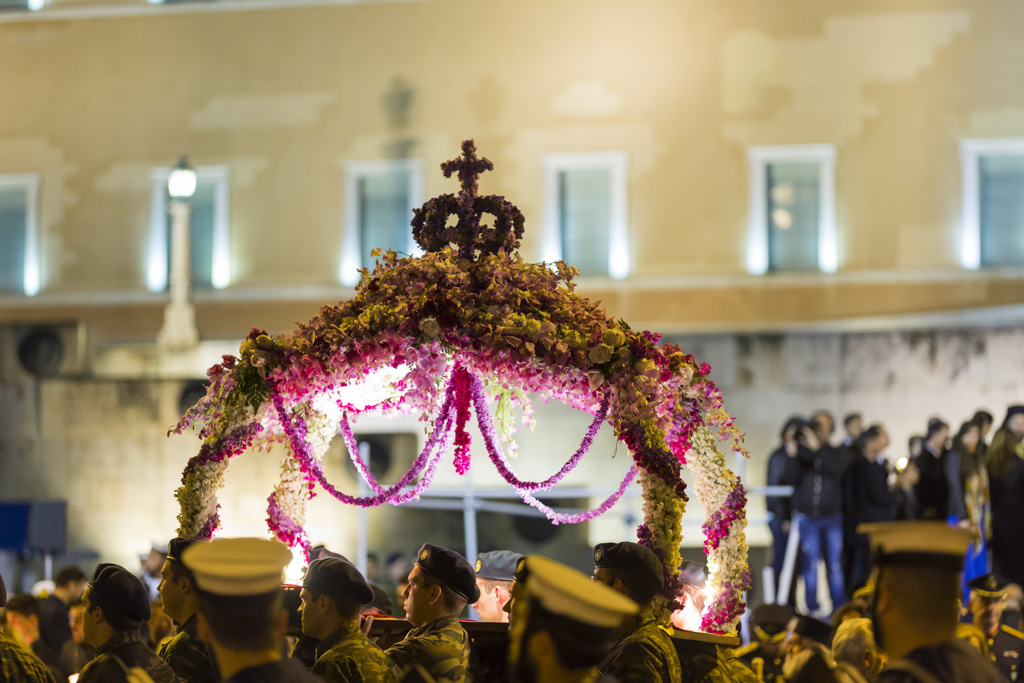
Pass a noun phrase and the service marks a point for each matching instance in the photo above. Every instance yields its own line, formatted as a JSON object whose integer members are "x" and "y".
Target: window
{"x": 585, "y": 222}
{"x": 209, "y": 258}
{"x": 792, "y": 209}
{"x": 19, "y": 261}
{"x": 992, "y": 231}
{"x": 379, "y": 199}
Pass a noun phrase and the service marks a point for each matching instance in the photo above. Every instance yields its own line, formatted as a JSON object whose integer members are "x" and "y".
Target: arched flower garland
{"x": 444, "y": 331}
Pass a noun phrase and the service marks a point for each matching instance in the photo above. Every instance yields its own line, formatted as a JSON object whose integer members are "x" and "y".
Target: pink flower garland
{"x": 460, "y": 378}
{"x": 562, "y": 518}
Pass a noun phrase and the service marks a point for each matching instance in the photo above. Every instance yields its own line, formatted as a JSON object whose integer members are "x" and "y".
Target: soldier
{"x": 17, "y": 663}
{"x": 564, "y": 625}
{"x": 916, "y": 604}
{"x": 987, "y": 601}
{"x": 494, "y": 573}
{"x": 516, "y": 589}
{"x": 441, "y": 584}
{"x": 332, "y": 594}
{"x": 642, "y": 651}
{"x": 240, "y": 608}
{"x": 808, "y": 651}
{"x": 116, "y": 604}
{"x": 766, "y": 650}
{"x": 189, "y": 656}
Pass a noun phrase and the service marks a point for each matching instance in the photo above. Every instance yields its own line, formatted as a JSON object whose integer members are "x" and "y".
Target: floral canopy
{"x": 463, "y": 327}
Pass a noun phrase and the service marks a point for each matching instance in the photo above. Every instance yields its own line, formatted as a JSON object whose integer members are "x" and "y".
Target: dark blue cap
{"x": 497, "y": 565}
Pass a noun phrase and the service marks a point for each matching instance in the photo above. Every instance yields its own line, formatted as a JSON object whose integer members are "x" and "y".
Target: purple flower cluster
{"x": 460, "y": 378}
{"x": 287, "y": 530}
{"x": 721, "y": 520}
{"x": 562, "y": 518}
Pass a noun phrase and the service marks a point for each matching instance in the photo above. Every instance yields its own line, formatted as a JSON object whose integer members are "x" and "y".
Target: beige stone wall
{"x": 285, "y": 96}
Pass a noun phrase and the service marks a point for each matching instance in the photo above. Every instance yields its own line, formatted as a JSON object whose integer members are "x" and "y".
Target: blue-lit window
{"x": 586, "y": 212}
{"x": 792, "y": 225}
{"x": 379, "y": 199}
{"x": 18, "y": 262}
{"x": 1001, "y": 209}
{"x": 209, "y": 249}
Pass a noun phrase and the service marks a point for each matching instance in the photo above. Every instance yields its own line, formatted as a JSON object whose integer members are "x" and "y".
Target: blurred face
{"x": 491, "y": 603}
{"x": 77, "y": 618}
{"x": 171, "y": 593}
{"x": 26, "y": 626}
{"x": 823, "y": 426}
{"x": 76, "y": 589}
{"x": 91, "y": 622}
{"x": 603, "y": 575}
{"x": 987, "y": 611}
{"x": 420, "y": 600}
{"x": 854, "y": 427}
{"x": 970, "y": 438}
{"x": 153, "y": 562}
{"x": 309, "y": 613}
{"x": 1016, "y": 424}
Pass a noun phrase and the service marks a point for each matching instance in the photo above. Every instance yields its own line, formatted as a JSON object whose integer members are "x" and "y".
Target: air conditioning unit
{"x": 42, "y": 350}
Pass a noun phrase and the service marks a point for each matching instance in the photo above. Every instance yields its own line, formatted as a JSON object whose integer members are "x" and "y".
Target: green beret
{"x": 338, "y": 579}
{"x": 451, "y": 569}
{"x": 634, "y": 559}
{"x": 119, "y": 592}
{"x": 498, "y": 565}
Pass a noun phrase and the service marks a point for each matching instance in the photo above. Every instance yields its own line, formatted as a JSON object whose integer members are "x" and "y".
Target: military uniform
{"x": 18, "y": 664}
{"x": 441, "y": 647}
{"x": 951, "y": 662}
{"x": 290, "y": 670}
{"x": 189, "y": 656}
{"x": 643, "y": 652}
{"x": 130, "y": 648}
{"x": 1005, "y": 649}
{"x": 769, "y": 623}
{"x": 768, "y": 668}
{"x": 346, "y": 656}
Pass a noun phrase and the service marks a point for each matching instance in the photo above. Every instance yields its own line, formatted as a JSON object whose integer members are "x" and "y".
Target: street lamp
{"x": 179, "y": 328}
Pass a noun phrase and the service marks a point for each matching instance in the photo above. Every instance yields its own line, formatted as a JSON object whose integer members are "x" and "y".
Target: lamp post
{"x": 179, "y": 328}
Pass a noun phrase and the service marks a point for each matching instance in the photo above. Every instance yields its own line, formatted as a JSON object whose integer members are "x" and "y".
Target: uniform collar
{"x": 345, "y": 631}
{"x": 121, "y": 638}
{"x": 635, "y": 624}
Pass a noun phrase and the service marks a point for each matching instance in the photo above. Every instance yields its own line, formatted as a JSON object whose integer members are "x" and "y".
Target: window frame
{"x": 351, "y": 240}
{"x": 759, "y": 158}
{"x": 31, "y": 278}
{"x": 617, "y": 163}
{"x": 971, "y": 152}
{"x": 157, "y": 271}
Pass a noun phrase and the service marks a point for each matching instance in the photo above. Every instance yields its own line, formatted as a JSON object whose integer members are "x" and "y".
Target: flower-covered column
{"x": 724, "y": 500}
{"x": 662, "y": 532}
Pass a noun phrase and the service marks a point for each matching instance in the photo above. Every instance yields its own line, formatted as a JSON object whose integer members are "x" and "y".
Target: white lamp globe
{"x": 181, "y": 183}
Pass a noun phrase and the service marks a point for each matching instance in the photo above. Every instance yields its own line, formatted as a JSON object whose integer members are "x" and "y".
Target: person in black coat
{"x": 933, "y": 490}
{"x": 866, "y": 498}
{"x": 783, "y": 470}
{"x": 1006, "y": 478}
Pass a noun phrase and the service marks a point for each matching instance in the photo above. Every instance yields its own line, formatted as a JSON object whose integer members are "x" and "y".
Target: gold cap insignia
{"x": 521, "y": 566}
{"x": 424, "y": 554}
{"x": 597, "y": 554}
{"x": 479, "y": 564}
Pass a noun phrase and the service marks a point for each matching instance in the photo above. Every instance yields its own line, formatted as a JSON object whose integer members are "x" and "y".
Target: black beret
{"x": 117, "y": 590}
{"x": 319, "y": 552}
{"x": 814, "y": 629}
{"x": 381, "y": 600}
{"x": 988, "y": 585}
{"x": 451, "y": 569}
{"x": 177, "y": 546}
{"x": 498, "y": 565}
{"x": 632, "y": 558}
{"x": 338, "y": 578}
{"x": 1014, "y": 410}
{"x": 770, "y": 620}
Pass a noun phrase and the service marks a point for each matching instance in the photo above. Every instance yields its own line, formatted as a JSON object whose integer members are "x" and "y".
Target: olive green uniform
{"x": 347, "y": 656}
{"x": 441, "y": 647}
{"x": 643, "y": 652}
{"x": 18, "y": 664}
{"x": 189, "y": 656}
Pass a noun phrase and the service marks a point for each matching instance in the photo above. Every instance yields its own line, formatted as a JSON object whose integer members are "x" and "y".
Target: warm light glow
{"x": 782, "y": 218}
{"x": 31, "y": 282}
{"x": 181, "y": 183}
{"x": 902, "y": 463}
{"x": 221, "y": 276}
{"x": 36, "y": 5}
{"x": 618, "y": 264}
{"x": 294, "y": 572}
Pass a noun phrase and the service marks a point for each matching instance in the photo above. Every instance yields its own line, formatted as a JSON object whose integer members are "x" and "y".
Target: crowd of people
{"x": 960, "y": 477}
{"x": 234, "y": 621}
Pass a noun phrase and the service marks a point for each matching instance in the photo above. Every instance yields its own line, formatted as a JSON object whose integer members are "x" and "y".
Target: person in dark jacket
{"x": 116, "y": 604}
{"x": 1006, "y": 479}
{"x": 16, "y": 662}
{"x": 23, "y": 617}
{"x": 54, "y": 626}
{"x": 783, "y": 470}
{"x": 867, "y": 499}
{"x": 189, "y": 656}
{"x": 818, "y": 508}
{"x": 933, "y": 490}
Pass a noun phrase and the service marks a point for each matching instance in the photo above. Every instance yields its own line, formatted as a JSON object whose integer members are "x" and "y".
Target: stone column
{"x": 179, "y": 328}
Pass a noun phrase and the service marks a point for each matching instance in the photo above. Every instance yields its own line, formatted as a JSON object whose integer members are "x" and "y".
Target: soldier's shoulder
{"x": 746, "y": 650}
{"x": 1009, "y": 630}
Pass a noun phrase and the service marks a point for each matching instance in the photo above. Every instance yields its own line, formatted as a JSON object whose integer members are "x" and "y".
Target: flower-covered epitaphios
{"x": 467, "y": 326}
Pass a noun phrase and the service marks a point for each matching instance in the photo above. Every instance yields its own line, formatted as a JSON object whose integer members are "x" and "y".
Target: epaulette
{"x": 745, "y": 650}
{"x": 1012, "y": 631}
